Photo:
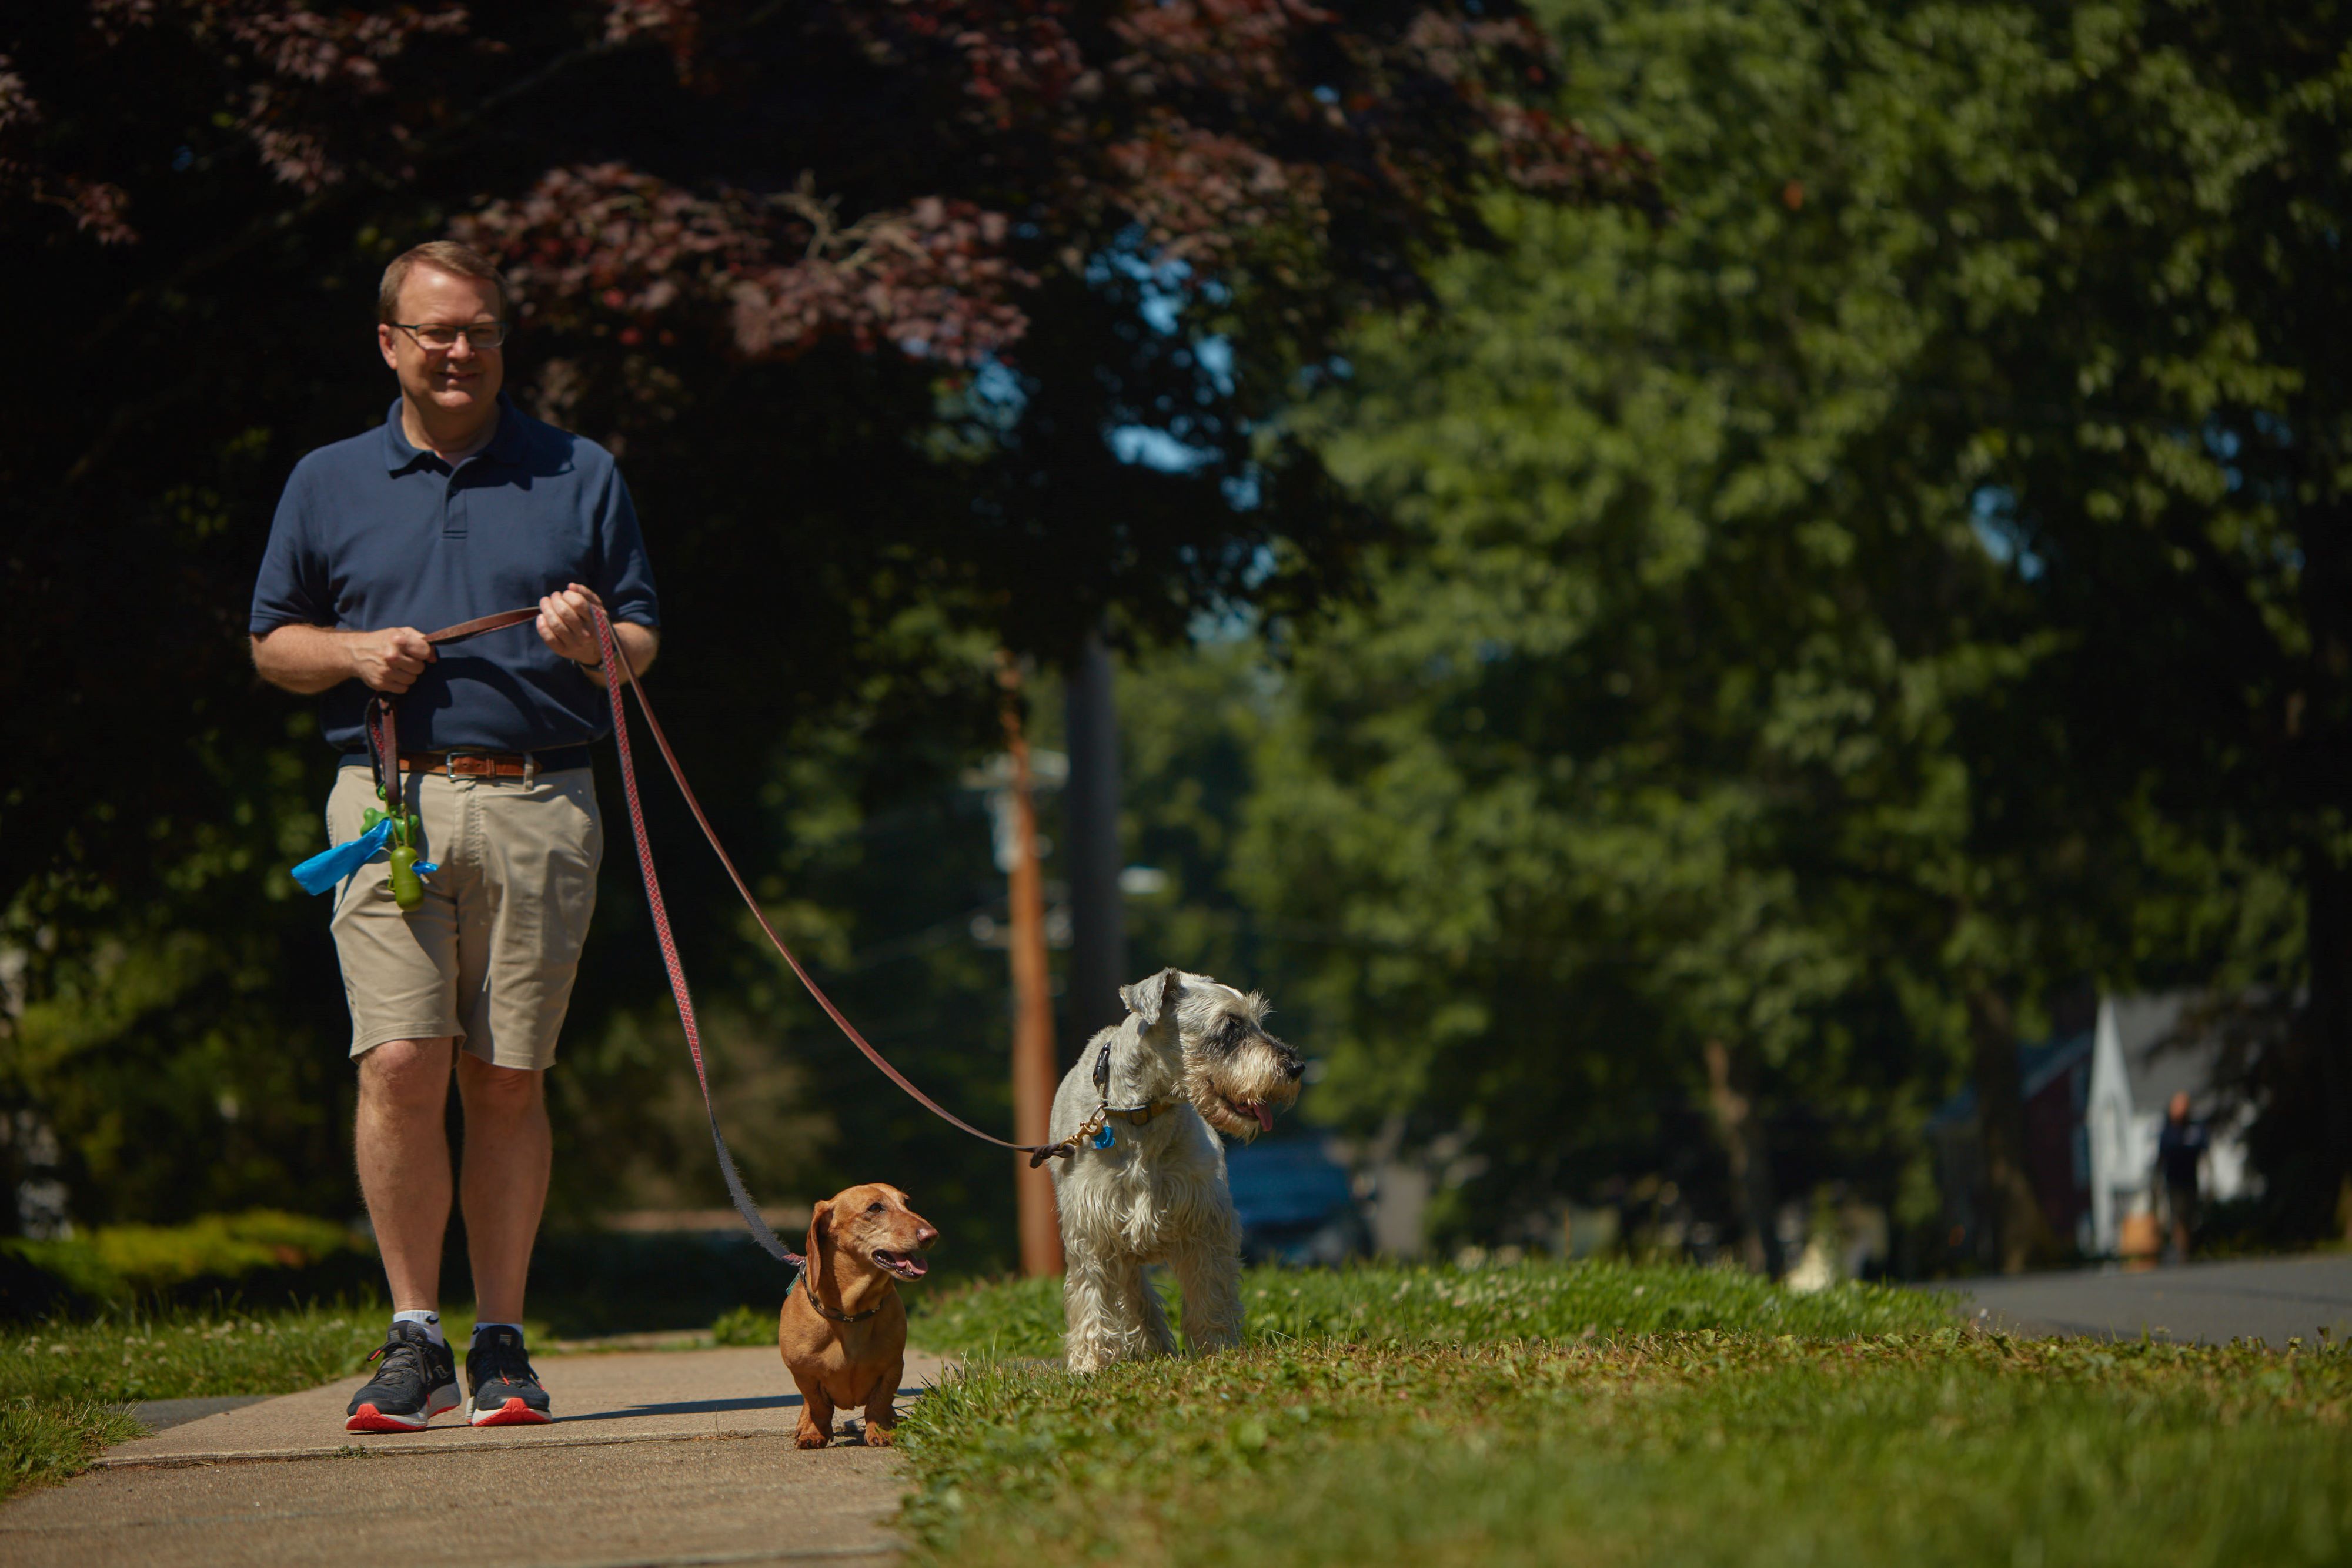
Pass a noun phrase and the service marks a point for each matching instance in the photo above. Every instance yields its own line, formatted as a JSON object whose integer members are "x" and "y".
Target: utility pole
{"x": 1090, "y": 822}
{"x": 1034, "y": 1078}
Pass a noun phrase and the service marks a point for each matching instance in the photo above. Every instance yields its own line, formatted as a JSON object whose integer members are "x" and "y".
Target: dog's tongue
{"x": 1264, "y": 1117}
{"x": 917, "y": 1264}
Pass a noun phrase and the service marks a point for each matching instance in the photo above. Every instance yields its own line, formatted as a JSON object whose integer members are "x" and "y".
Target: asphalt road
{"x": 2270, "y": 1299}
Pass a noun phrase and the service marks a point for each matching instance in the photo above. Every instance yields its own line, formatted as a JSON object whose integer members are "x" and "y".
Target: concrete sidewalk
{"x": 659, "y": 1457}
{"x": 2270, "y": 1299}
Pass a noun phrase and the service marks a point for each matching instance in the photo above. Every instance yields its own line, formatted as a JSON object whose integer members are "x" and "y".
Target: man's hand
{"x": 310, "y": 659}
{"x": 390, "y": 661}
{"x": 566, "y": 625}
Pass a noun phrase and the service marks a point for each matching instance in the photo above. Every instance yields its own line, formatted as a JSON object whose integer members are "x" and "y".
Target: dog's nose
{"x": 925, "y": 1235}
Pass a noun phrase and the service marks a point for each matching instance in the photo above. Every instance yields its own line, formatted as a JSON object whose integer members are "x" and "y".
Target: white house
{"x": 2139, "y": 1058}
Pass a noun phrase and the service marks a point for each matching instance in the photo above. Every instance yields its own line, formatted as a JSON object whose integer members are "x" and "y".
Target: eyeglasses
{"x": 483, "y": 335}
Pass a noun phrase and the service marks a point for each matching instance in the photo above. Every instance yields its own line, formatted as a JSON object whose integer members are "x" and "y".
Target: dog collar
{"x": 1137, "y": 1116}
{"x": 825, "y": 1311}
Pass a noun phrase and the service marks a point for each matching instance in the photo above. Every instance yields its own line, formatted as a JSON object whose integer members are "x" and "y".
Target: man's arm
{"x": 306, "y": 660}
{"x": 565, "y": 625}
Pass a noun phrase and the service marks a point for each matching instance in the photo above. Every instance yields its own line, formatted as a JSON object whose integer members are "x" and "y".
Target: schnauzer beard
{"x": 1222, "y": 1088}
{"x": 1232, "y": 1065}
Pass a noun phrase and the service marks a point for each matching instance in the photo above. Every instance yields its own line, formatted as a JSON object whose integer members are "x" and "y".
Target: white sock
{"x": 428, "y": 1321}
{"x": 479, "y": 1329}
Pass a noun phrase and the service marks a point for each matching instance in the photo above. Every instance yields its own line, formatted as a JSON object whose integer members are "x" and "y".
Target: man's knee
{"x": 490, "y": 1091}
{"x": 406, "y": 1074}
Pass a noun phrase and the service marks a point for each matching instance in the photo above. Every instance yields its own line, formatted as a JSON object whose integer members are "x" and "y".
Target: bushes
{"x": 262, "y": 1255}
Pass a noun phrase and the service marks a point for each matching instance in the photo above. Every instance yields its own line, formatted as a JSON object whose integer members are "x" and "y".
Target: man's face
{"x": 2178, "y": 1108}
{"x": 462, "y": 380}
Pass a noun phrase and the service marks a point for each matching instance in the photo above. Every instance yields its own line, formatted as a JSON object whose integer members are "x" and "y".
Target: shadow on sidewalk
{"x": 706, "y": 1408}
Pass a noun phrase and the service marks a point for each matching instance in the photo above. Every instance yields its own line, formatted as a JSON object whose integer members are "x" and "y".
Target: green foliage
{"x": 1717, "y": 684}
{"x": 265, "y": 1252}
{"x": 744, "y": 1326}
{"x": 1650, "y": 734}
{"x": 1937, "y": 1446}
{"x": 149, "y": 1257}
{"x": 1377, "y": 1305}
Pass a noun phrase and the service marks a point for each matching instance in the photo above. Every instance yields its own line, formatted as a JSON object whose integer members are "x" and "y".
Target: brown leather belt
{"x": 469, "y": 764}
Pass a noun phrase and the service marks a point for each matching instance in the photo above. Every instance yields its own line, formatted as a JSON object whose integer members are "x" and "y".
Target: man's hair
{"x": 444, "y": 255}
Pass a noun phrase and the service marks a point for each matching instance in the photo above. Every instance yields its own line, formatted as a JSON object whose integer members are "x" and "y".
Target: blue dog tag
{"x": 1103, "y": 1139}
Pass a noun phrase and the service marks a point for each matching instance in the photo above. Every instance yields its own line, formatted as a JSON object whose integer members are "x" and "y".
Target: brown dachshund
{"x": 844, "y": 1330}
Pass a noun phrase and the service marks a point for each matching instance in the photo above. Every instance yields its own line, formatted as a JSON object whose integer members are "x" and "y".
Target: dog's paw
{"x": 806, "y": 1439}
{"x": 877, "y": 1436}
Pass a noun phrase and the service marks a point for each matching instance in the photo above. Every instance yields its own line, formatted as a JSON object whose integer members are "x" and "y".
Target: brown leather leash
{"x": 384, "y": 746}
{"x": 383, "y": 734}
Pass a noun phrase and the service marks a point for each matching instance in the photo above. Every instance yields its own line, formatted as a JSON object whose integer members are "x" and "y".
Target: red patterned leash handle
{"x": 618, "y": 670}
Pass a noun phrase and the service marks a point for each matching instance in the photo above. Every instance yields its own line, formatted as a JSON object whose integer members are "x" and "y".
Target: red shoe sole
{"x": 513, "y": 1413}
{"x": 366, "y": 1419}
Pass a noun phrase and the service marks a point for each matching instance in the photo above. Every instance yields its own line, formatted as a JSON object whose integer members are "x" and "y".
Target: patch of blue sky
{"x": 1159, "y": 282}
{"x": 1163, "y": 288}
{"x": 1237, "y": 619}
{"x": 1214, "y": 355}
{"x": 993, "y": 383}
{"x": 1153, "y": 447}
{"x": 1992, "y": 514}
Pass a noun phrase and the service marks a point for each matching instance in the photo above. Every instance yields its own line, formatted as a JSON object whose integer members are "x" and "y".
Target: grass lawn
{"x": 1598, "y": 1413}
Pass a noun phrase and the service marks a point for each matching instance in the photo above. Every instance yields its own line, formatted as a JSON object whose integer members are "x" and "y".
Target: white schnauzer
{"x": 1145, "y": 1182}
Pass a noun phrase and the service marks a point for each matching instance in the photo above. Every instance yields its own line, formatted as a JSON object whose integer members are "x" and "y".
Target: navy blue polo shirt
{"x": 374, "y": 533}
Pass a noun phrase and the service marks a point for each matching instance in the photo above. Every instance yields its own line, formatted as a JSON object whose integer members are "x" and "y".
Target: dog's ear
{"x": 819, "y": 1232}
{"x": 1147, "y": 1000}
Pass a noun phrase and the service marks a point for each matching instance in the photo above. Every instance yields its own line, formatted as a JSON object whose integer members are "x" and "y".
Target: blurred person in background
{"x": 2180, "y": 1151}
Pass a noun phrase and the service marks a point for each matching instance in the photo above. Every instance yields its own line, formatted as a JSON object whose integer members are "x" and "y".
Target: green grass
{"x": 1439, "y": 1434}
{"x": 63, "y": 1386}
{"x": 1390, "y": 1305}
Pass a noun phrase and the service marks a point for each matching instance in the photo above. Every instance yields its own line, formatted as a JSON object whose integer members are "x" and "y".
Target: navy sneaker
{"x": 506, "y": 1390}
{"x": 417, "y": 1381}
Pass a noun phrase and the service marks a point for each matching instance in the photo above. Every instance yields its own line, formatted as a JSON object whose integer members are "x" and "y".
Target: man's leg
{"x": 404, "y": 1163}
{"x": 507, "y": 1152}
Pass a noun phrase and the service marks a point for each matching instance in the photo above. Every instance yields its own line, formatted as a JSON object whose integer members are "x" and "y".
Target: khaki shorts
{"x": 489, "y": 956}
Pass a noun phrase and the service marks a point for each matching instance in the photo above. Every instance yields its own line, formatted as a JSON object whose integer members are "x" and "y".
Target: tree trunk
{"x": 1090, "y": 822}
{"x": 1731, "y": 1096}
{"x": 2021, "y": 1236}
{"x": 1033, "y": 1003}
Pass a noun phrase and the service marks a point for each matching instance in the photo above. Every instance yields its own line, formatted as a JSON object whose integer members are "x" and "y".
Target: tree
{"x": 854, "y": 288}
{"x": 2166, "y": 416}
{"x": 1705, "y": 742}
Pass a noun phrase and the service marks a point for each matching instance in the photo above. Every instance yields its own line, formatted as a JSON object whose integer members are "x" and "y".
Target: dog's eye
{"x": 874, "y": 1207}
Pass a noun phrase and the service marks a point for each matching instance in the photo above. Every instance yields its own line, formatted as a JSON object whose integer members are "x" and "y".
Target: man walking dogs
{"x": 458, "y": 507}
